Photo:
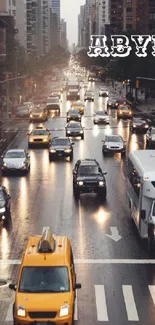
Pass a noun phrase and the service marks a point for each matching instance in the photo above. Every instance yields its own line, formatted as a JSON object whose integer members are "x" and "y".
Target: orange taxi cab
{"x": 46, "y": 285}
{"x": 124, "y": 111}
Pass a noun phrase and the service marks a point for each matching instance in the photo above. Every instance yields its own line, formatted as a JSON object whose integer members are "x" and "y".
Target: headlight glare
{"x": 101, "y": 183}
{"x": 68, "y": 150}
{"x": 2, "y": 209}
{"x": 80, "y": 183}
{"x": 21, "y": 312}
{"x": 64, "y": 310}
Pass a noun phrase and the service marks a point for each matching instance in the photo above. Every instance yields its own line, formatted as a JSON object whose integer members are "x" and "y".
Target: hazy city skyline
{"x": 69, "y": 11}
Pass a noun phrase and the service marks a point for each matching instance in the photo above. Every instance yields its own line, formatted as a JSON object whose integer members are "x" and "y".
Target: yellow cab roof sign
{"x": 47, "y": 242}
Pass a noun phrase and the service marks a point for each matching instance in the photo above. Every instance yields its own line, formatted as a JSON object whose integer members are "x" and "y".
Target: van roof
{"x": 59, "y": 257}
{"x": 144, "y": 162}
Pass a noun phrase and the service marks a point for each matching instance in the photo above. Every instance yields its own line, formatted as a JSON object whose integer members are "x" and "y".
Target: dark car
{"x": 114, "y": 143}
{"x": 137, "y": 124}
{"x": 112, "y": 103}
{"x": 5, "y": 205}
{"x": 150, "y": 137}
{"x": 74, "y": 129}
{"x": 60, "y": 147}
{"x": 73, "y": 115}
{"x": 88, "y": 177}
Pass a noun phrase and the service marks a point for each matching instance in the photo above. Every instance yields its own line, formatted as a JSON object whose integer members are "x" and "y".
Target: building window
{"x": 129, "y": 9}
{"x": 14, "y": 13}
{"x": 128, "y": 1}
{"x": 128, "y": 17}
{"x": 129, "y": 26}
{"x": 14, "y": 3}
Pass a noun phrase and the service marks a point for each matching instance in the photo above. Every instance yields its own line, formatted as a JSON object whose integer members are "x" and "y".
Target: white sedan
{"x": 16, "y": 160}
{"x": 101, "y": 117}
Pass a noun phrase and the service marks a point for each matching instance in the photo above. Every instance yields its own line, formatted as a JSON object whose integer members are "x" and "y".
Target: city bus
{"x": 141, "y": 193}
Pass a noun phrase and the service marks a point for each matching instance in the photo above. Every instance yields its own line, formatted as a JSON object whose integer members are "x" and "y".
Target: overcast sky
{"x": 69, "y": 11}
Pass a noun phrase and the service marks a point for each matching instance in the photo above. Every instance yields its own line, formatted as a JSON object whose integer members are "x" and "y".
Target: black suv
{"x": 88, "y": 177}
{"x": 61, "y": 147}
{"x": 5, "y": 205}
{"x": 150, "y": 137}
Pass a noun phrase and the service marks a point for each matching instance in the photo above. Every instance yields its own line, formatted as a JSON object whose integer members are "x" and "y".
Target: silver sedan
{"x": 74, "y": 129}
{"x": 16, "y": 160}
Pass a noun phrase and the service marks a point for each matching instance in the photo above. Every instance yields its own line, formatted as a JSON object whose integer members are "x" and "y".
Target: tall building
{"x": 53, "y": 30}
{"x": 55, "y": 6}
{"x": 81, "y": 26}
{"x": 63, "y": 33}
{"x": 88, "y": 22}
{"x": 116, "y": 15}
{"x": 151, "y": 13}
{"x": 136, "y": 16}
{"x": 17, "y": 9}
{"x": 102, "y": 15}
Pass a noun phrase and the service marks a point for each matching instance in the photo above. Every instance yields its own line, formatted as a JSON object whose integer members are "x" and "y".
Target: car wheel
{"x": 102, "y": 194}
{"x": 29, "y": 145}
{"x": 123, "y": 154}
{"x": 151, "y": 242}
{"x": 71, "y": 157}
{"x": 147, "y": 144}
{"x": 7, "y": 219}
{"x": 51, "y": 157}
{"x": 104, "y": 153}
{"x": 76, "y": 194}
{"x": 82, "y": 137}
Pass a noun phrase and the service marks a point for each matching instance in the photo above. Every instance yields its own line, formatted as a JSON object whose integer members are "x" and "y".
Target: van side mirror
{"x": 143, "y": 214}
{"x": 12, "y": 286}
{"x": 77, "y": 286}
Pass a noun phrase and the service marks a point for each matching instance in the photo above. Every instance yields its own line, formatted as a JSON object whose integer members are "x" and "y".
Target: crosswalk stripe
{"x": 9, "y": 316}
{"x": 152, "y": 292}
{"x": 76, "y": 309}
{"x": 101, "y": 306}
{"x": 130, "y": 303}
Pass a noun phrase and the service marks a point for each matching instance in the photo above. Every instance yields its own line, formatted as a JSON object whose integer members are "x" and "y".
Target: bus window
{"x": 153, "y": 209}
{"x": 134, "y": 178}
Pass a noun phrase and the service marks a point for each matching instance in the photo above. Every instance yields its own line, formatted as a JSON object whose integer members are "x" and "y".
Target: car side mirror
{"x": 77, "y": 286}
{"x": 12, "y": 286}
{"x": 73, "y": 143}
{"x": 143, "y": 214}
{"x": 74, "y": 172}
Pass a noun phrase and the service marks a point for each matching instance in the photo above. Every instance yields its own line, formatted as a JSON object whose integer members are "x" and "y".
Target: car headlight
{"x": 120, "y": 113}
{"x": 81, "y": 131}
{"x": 31, "y": 115}
{"x": 2, "y": 209}
{"x": 64, "y": 310}
{"x": 109, "y": 103}
{"x": 106, "y": 146}
{"x": 41, "y": 115}
{"x": 80, "y": 183}
{"x": 101, "y": 183}
{"x": 24, "y": 163}
{"x": 4, "y": 164}
{"x": 68, "y": 131}
{"x": 21, "y": 312}
{"x": 31, "y": 140}
{"x": 68, "y": 150}
{"x": 134, "y": 125}
{"x": 68, "y": 116}
{"x": 68, "y": 93}
{"x": 78, "y": 93}
{"x": 130, "y": 113}
{"x": 146, "y": 126}
{"x": 45, "y": 140}
{"x": 52, "y": 150}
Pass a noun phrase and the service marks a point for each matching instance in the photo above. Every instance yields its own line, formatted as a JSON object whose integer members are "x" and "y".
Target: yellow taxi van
{"x": 46, "y": 284}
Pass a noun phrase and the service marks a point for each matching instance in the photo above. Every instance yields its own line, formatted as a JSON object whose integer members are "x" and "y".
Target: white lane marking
{"x": 76, "y": 309}
{"x": 152, "y": 292}
{"x": 9, "y": 316}
{"x": 123, "y": 177}
{"x": 93, "y": 261}
{"x": 130, "y": 303}
{"x": 101, "y": 305}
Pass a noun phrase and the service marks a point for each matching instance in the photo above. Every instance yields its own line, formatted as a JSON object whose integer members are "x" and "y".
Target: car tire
{"x": 151, "y": 242}
{"x": 7, "y": 219}
{"x": 82, "y": 137}
{"x": 102, "y": 194}
{"x": 51, "y": 157}
{"x": 76, "y": 194}
{"x": 29, "y": 145}
{"x": 104, "y": 153}
{"x": 123, "y": 154}
{"x": 71, "y": 157}
{"x": 95, "y": 122}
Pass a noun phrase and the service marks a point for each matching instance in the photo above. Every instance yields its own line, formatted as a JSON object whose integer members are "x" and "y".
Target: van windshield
{"x": 44, "y": 279}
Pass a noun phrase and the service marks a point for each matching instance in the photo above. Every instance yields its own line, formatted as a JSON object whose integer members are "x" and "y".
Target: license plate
{"x": 91, "y": 188}
{"x": 42, "y": 323}
{"x": 60, "y": 154}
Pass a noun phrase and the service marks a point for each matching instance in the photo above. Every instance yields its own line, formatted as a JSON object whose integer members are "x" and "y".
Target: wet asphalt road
{"x": 113, "y": 292}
